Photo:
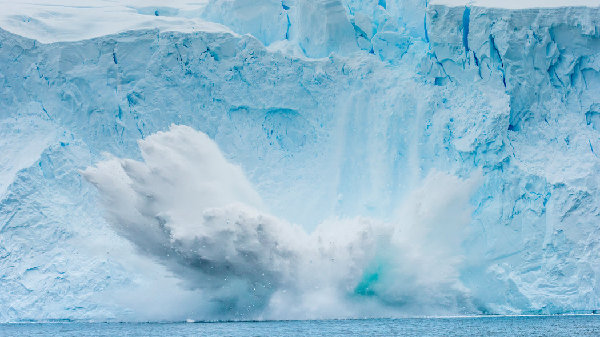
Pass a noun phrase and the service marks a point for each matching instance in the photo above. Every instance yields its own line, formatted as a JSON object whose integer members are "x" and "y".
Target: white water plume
{"x": 198, "y": 214}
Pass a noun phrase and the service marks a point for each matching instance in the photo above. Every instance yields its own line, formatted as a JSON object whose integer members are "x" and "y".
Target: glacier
{"x": 237, "y": 159}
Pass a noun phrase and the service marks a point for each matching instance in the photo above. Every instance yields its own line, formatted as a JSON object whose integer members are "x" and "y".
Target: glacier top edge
{"x": 49, "y": 21}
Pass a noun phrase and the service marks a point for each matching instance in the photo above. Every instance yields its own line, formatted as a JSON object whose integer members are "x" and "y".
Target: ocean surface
{"x": 584, "y": 325}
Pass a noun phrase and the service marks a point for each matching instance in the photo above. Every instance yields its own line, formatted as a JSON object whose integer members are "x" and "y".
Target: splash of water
{"x": 198, "y": 214}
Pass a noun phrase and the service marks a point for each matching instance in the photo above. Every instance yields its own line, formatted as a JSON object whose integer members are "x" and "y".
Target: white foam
{"x": 197, "y": 213}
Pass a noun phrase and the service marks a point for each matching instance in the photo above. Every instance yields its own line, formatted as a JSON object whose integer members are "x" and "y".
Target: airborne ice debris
{"x": 188, "y": 206}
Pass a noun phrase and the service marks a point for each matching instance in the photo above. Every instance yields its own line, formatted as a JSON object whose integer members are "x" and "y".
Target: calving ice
{"x": 240, "y": 159}
{"x": 198, "y": 214}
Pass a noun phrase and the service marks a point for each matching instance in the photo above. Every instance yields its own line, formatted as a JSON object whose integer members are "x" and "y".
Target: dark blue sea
{"x": 461, "y": 326}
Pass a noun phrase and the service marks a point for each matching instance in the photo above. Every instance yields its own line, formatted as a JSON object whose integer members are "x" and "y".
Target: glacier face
{"x": 345, "y": 116}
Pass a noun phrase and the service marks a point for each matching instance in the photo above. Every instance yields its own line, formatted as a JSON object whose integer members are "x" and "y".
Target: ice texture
{"x": 329, "y": 159}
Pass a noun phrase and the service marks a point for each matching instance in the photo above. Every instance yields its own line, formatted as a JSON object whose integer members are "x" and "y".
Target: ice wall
{"x": 546, "y": 59}
{"x": 334, "y": 110}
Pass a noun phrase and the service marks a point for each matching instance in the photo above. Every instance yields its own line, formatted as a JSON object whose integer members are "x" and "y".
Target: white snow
{"x": 66, "y": 20}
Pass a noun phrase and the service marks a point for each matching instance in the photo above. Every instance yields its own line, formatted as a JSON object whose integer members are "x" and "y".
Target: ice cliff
{"x": 242, "y": 159}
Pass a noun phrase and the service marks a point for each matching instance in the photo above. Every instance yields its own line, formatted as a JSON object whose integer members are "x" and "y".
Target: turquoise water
{"x": 464, "y": 326}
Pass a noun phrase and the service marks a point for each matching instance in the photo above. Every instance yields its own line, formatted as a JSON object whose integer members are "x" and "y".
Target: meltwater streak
{"x": 187, "y": 206}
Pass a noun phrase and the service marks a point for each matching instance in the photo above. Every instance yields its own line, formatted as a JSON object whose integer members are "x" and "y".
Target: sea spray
{"x": 195, "y": 212}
